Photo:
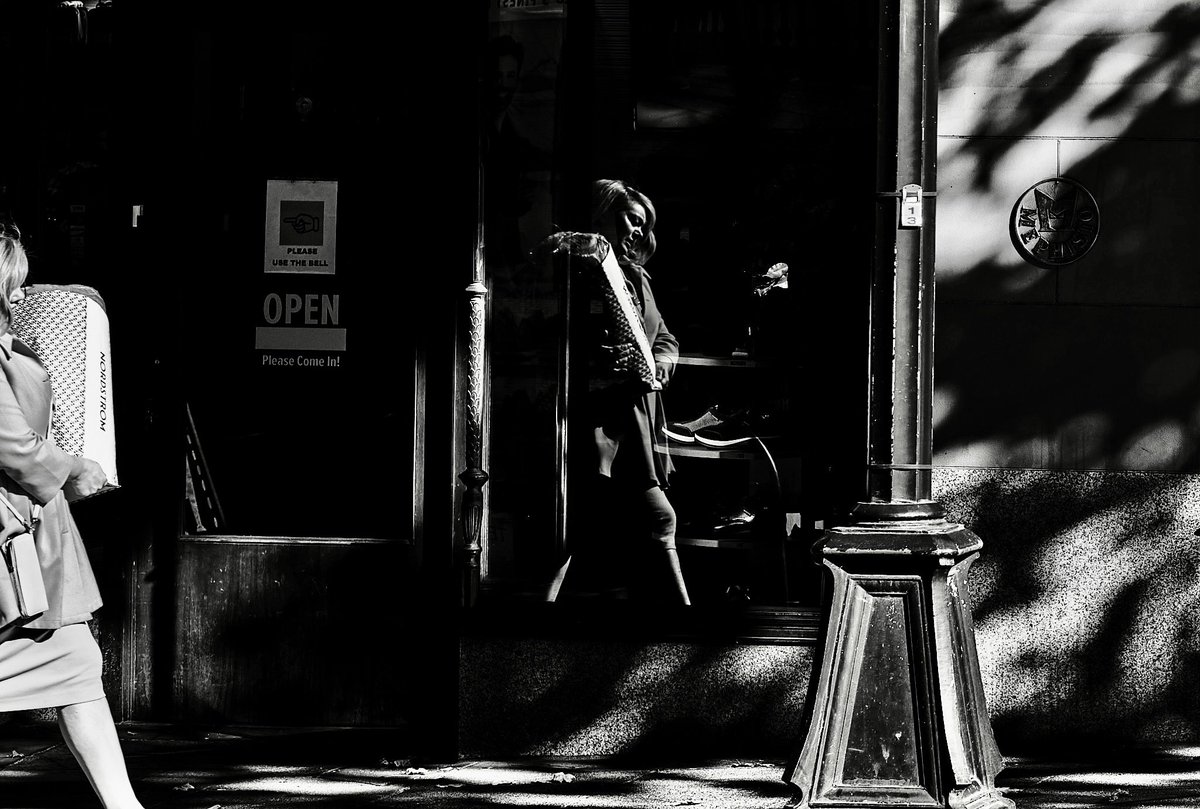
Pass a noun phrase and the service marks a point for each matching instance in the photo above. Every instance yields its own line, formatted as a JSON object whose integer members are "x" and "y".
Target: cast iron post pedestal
{"x": 898, "y": 716}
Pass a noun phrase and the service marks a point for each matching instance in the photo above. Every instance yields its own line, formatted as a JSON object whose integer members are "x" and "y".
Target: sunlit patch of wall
{"x": 1067, "y": 409}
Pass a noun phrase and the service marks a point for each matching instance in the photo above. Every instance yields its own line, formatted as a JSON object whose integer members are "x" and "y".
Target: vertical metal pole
{"x": 901, "y": 404}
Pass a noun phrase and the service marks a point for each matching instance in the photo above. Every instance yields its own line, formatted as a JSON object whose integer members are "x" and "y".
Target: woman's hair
{"x": 14, "y": 269}
{"x": 609, "y": 197}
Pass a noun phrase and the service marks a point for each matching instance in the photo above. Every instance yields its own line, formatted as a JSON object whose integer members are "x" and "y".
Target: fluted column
{"x": 474, "y": 477}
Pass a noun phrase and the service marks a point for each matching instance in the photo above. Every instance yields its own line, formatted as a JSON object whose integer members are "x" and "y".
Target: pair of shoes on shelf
{"x": 739, "y": 428}
{"x": 685, "y": 431}
{"x": 718, "y": 427}
{"x": 737, "y": 523}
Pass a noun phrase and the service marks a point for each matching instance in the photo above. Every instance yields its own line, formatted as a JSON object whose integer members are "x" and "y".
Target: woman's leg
{"x": 91, "y": 736}
{"x": 676, "y": 574}
{"x": 662, "y": 533}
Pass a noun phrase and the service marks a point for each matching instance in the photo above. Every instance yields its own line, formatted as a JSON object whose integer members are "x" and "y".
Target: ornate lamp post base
{"x": 897, "y": 716}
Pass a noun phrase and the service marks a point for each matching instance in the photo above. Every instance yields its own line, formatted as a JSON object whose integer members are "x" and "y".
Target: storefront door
{"x": 234, "y": 183}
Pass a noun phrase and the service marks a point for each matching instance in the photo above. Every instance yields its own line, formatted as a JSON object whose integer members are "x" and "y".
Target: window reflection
{"x": 749, "y": 128}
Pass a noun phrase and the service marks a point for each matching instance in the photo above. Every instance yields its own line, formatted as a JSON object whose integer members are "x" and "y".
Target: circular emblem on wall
{"x": 1054, "y": 223}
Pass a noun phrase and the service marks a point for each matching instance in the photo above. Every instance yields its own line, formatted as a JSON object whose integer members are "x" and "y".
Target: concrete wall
{"x": 1068, "y": 400}
{"x": 1095, "y": 365}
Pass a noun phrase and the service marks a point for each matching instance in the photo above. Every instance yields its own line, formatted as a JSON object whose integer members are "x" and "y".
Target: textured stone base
{"x": 599, "y": 697}
{"x": 1086, "y": 602}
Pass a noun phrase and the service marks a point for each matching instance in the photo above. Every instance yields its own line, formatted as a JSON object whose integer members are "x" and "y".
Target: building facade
{"x": 313, "y": 230}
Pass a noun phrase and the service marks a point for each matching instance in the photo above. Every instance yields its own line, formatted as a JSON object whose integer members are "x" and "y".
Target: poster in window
{"x": 301, "y": 227}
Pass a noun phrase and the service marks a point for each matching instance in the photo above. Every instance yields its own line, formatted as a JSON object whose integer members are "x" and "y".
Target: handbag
{"x": 22, "y": 588}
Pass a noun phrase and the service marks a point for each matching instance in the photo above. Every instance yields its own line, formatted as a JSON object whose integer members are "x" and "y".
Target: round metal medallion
{"x": 1054, "y": 223}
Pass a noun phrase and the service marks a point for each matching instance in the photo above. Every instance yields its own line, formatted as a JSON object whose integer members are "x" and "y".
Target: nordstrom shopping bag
{"x": 67, "y": 327}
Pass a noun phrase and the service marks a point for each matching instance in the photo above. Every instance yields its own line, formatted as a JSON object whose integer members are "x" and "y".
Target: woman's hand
{"x": 621, "y": 357}
{"x": 10, "y": 527}
{"x": 624, "y": 358}
{"x": 663, "y": 370}
{"x": 86, "y": 478}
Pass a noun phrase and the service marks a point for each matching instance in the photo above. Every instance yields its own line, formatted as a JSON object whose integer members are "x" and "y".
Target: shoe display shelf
{"x": 716, "y": 361}
{"x": 677, "y": 450}
{"x": 729, "y": 435}
{"x": 750, "y": 534}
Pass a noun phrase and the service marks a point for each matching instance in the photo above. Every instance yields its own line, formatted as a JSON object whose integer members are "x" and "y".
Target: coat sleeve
{"x": 34, "y": 463}
{"x": 663, "y": 344}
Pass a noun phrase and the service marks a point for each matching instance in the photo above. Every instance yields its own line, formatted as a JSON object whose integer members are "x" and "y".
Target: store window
{"x": 749, "y": 127}
{"x": 303, "y": 376}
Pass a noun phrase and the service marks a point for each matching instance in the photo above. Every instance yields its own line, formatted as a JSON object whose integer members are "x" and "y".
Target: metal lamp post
{"x": 897, "y": 715}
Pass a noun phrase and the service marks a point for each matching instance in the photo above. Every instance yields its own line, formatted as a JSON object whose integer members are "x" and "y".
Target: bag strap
{"x": 28, "y": 524}
{"x": 35, "y": 510}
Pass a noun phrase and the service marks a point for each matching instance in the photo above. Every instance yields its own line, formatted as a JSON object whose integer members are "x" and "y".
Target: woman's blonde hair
{"x": 613, "y": 195}
{"x": 14, "y": 269}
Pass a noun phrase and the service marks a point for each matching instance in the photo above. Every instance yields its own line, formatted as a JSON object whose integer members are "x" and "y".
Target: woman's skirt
{"x": 43, "y": 668}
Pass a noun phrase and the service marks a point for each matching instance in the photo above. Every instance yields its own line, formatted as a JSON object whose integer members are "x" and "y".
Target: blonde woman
{"x": 51, "y": 661}
{"x": 627, "y": 474}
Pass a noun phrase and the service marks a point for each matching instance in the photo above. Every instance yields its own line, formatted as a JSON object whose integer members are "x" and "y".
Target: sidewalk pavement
{"x": 173, "y": 768}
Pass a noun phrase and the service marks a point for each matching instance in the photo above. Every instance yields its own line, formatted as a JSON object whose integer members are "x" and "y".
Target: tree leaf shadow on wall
{"x": 1086, "y": 598}
{"x": 1021, "y": 102}
{"x": 1045, "y": 91}
{"x": 1106, "y": 346}
{"x": 1016, "y": 523}
{"x": 977, "y": 26}
{"x": 1180, "y": 28}
{"x": 1068, "y": 397}
{"x": 1117, "y": 685}
{"x": 657, "y": 703}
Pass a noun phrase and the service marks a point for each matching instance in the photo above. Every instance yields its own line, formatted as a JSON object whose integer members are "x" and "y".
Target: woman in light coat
{"x": 52, "y": 661}
{"x": 628, "y": 472}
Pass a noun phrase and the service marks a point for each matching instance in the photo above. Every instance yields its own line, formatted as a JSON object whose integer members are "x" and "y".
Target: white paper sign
{"x": 301, "y": 230}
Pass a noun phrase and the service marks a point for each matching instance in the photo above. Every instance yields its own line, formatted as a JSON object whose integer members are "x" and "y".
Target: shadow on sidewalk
{"x": 177, "y": 768}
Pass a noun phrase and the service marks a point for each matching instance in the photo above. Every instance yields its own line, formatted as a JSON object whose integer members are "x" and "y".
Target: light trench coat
{"x": 627, "y": 419}
{"x": 33, "y": 470}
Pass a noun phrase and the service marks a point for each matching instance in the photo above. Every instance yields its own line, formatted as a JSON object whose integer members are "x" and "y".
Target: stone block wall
{"x": 1086, "y": 600}
{"x": 551, "y": 697}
